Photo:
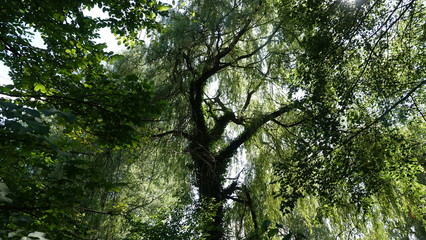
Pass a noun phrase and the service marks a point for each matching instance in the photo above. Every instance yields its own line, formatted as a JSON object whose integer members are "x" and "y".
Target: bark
{"x": 210, "y": 189}
{"x": 209, "y": 180}
{"x": 210, "y": 168}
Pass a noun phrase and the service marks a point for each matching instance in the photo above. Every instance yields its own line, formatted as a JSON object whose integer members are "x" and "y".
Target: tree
{"x": 320, "y": 91}
{"x": 322, "y": 103}
{"x": 73, "y": 77}
{"x": 67, "y": 114}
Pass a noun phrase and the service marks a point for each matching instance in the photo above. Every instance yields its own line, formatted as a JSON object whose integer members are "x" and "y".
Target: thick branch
{"x": 250, "y": 130}
{"x": 198, "y": 85}
{"x": 197, "y": 115}
{"x": 236, "y": 199}
{"x": 222, "y": 122}
{"x": 217, "y": 65}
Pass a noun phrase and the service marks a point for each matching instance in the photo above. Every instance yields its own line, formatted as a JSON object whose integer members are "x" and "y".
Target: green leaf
{"x": 162, "y": 8}
{"x": 273, "y": 232}
{"x": 4, "y": 188}
{"x": 32, "y": 112}
{"x": 39, "y": 235}
{"x": 287, "y": 237}
{"x": 265, "y": 225}
{"x": 49, "y": 112}
{"x": 15, "y": 127}
{"x": 38, "y": 127}
{"x": 8, "y": 105}
{"x": 6, "y": 88}
{"x": 39, "y": 88}
{"x": 67, "y": 116}
{"x": 18, "y": 218}
{"x": 5, "y": 199}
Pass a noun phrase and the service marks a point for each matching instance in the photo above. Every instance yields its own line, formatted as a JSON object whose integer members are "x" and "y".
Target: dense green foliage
{"x": 254, "y": 119}
{"x": 66, "y": 115}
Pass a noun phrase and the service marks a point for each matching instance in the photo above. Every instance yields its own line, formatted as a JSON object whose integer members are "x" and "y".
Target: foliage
{"x": 321, "y": 91}
{"x": 67, "y": 114}
{"x": 284, "y": 120}
{"x": 73, "y": 77}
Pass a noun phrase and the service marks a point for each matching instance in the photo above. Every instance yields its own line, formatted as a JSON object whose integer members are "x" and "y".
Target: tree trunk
{"x": 209, "y": 180}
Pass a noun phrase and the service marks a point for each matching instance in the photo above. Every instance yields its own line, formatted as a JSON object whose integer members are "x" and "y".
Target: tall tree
{"x": 304, "y": 82}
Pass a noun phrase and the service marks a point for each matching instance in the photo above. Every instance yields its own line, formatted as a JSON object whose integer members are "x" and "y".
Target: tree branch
{"x": 418, "y": 109}
{"x": 250, "y": 130}
{"x": 236, "y": 199}
{"x": 10, "y": 47}
{"x": 248, "y": 99}
{"x": 249, "y": 203}
{"x": 172, "y": 132}
{"x": 384, "y": 113}
{"x": 111, "y": 213}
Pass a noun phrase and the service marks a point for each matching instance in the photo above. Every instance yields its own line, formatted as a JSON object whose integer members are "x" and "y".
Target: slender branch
{"x": 145, "y": 204}
{"x": 172, "y": 132}
{"x": 418, "y": 109}
{"x": 10, "y": 47}
{"x": 289, "y": 125}
{"x": 111, "y": 213}
{"x": 236, "y": 199}
{"x": 248, "y": 99}
{"x": 384, "y": 113}
{"x": 188, "y": 63}
{"x": 372, "y": 51}
{"x": 249, "y": 202}
{"x": 268, "y": 40}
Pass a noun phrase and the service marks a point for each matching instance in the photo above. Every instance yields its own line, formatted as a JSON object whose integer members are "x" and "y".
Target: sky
{"x": 105, "y": 37}
{"x": 4, "y": 78}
